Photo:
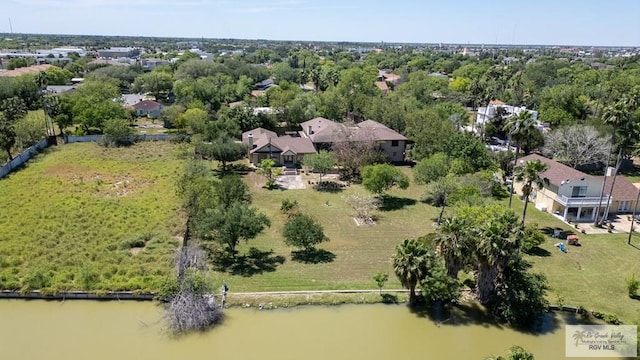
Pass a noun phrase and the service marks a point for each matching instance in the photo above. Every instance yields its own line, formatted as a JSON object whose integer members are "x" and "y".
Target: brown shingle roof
{"x": 380, "y": 131}
{"x": 557, "y": 172}
{"x": 623, "y": 189}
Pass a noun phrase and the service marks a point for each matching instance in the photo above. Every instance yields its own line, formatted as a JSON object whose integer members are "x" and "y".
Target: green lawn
{"x": 592, "y": 275}
{"x": 83, "y": 216}
{"x": 360, "y": 251}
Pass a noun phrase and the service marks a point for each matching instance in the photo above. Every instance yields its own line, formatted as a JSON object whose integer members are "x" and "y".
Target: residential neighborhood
{"x": 448, "y": 190}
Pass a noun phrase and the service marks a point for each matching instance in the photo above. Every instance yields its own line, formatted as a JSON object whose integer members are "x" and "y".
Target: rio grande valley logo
{"x": 601, "y": 341}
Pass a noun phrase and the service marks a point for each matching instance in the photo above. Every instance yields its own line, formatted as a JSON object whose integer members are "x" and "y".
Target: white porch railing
{"x": 582, "y": 201}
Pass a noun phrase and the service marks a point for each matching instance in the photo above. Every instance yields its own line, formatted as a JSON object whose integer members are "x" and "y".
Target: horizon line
{"x": 492, "y": 45}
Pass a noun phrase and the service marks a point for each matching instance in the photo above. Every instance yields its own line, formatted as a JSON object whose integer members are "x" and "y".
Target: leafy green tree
{"x": 7, "y": 135}
{"x": 195, "y": 120}
{"x": 381, "y": 278}
{"x": 223, "y": 149}
{"x": 195, "y": 188}
{"x": 230, "y": 190}
{"x": 431, "y": 168}
{"x": 118, "y": 132}
{"x": 437, "y": 286}
{"x": 520, "y": 298}
{"x": 171, "y": 116}
{"x": 237, "y": 222}
{"x": 240, "y": 116}
{"x": 529, "y": 175}
{"x": 439, "y": 193}
{"x": 13, "y": 108}
{"x": 30, "y": 129}
{"x": 57, "y": 76}
{"x": 94, "y": 102}
{"x": 410, "y": 264}
{"x": 357, "y": 86}
{"x": 155, "y": 82}
{"x": 302, "y": 231}
{"x": 380, "y": 178}
{"x": 320, "y": 162}
{"x": 267, "y": 168}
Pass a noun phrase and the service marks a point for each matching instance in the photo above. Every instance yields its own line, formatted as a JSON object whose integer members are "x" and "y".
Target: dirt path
{"x": 304, "y": 292}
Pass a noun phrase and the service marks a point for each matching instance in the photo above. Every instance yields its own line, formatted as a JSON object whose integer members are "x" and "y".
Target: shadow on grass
{"x": 253, "y": 263}
{"x": 232, "y": 169}
{"x": 563, "y": 233}
{"x": 329, "y": 187}
{"x": 391, "y": 203}
{"x": 538, "y": 251}
{"x": 312, "y": 256}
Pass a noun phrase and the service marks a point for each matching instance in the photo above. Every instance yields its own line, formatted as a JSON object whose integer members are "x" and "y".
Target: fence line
{"x": 23, "y": 157}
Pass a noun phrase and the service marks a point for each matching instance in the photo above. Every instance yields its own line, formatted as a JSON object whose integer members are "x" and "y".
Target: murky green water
{"x": 130, "y": 330}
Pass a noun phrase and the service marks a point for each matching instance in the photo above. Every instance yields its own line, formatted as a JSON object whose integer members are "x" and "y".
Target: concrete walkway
{"x": 304, "y": 292}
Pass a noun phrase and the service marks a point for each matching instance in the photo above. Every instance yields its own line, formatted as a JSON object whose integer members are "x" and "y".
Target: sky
{"x": 533, "y": 22}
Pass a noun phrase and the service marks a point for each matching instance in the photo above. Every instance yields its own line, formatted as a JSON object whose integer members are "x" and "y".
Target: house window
{"x": 579, "y": 191}
{"x": 395, "y": 143}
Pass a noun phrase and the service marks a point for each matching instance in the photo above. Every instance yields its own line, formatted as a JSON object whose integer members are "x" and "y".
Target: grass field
{"x": 82, "y": 216}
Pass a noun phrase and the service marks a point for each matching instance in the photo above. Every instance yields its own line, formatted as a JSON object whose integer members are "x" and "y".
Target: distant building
{"x": 486, "y": 113}
{"x": 152, "y": 63}
{"x": 119, "y": 52}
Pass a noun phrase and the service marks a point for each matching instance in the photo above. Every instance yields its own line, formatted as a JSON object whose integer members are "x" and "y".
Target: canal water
{"x": 134, "y": 330}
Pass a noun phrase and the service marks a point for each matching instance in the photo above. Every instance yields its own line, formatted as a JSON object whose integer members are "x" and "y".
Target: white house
{"x": 486, "y": 113}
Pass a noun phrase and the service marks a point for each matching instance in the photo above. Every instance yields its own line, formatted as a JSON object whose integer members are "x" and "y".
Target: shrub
{"x": 289, "y": 207}
{"x": 531, "y": 238}
{"x": 117, "y": 133}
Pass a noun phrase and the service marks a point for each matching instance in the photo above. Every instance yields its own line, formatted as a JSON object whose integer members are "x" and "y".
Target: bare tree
{"x": 576, "y": 145}
{"x": 355, "y": 147}
{"x": 363, "y": 206}
{"x": 192, "y": 307}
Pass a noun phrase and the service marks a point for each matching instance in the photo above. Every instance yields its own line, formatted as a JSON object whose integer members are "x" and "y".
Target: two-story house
{"x": 575, "y": 196}
{"x": 324, "y": 132}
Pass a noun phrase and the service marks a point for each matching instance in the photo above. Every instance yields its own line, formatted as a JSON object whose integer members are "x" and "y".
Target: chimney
{"x": 310, "y": 130}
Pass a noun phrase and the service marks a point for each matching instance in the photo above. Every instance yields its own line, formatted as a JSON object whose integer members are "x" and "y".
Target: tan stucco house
{"x": 575, "y": 196}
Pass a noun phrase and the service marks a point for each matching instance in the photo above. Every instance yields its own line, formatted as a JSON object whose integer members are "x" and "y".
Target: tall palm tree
{"x": 496, "y": 246}
{"x": 410, "y": 263}
{"x": 519, "y": 128}
{"x": 452, "y": 244}
{"x": 529, "y": 175}
{"x": 619, "y": 116}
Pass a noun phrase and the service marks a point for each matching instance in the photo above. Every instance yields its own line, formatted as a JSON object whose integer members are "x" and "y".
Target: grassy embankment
{"x": 81, "y": 216}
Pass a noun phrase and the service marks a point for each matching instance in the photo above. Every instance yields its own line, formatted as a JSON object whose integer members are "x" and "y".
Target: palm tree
{"x": 529, "y": 175}
{"x": 519, "y": 128}
{"x": 452, "y": 244}
{"x": 495, "y": 248}
{"x": 619, "y": 116}
{"x": 439, "y": 192}
{"x": 410, "y": 264}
